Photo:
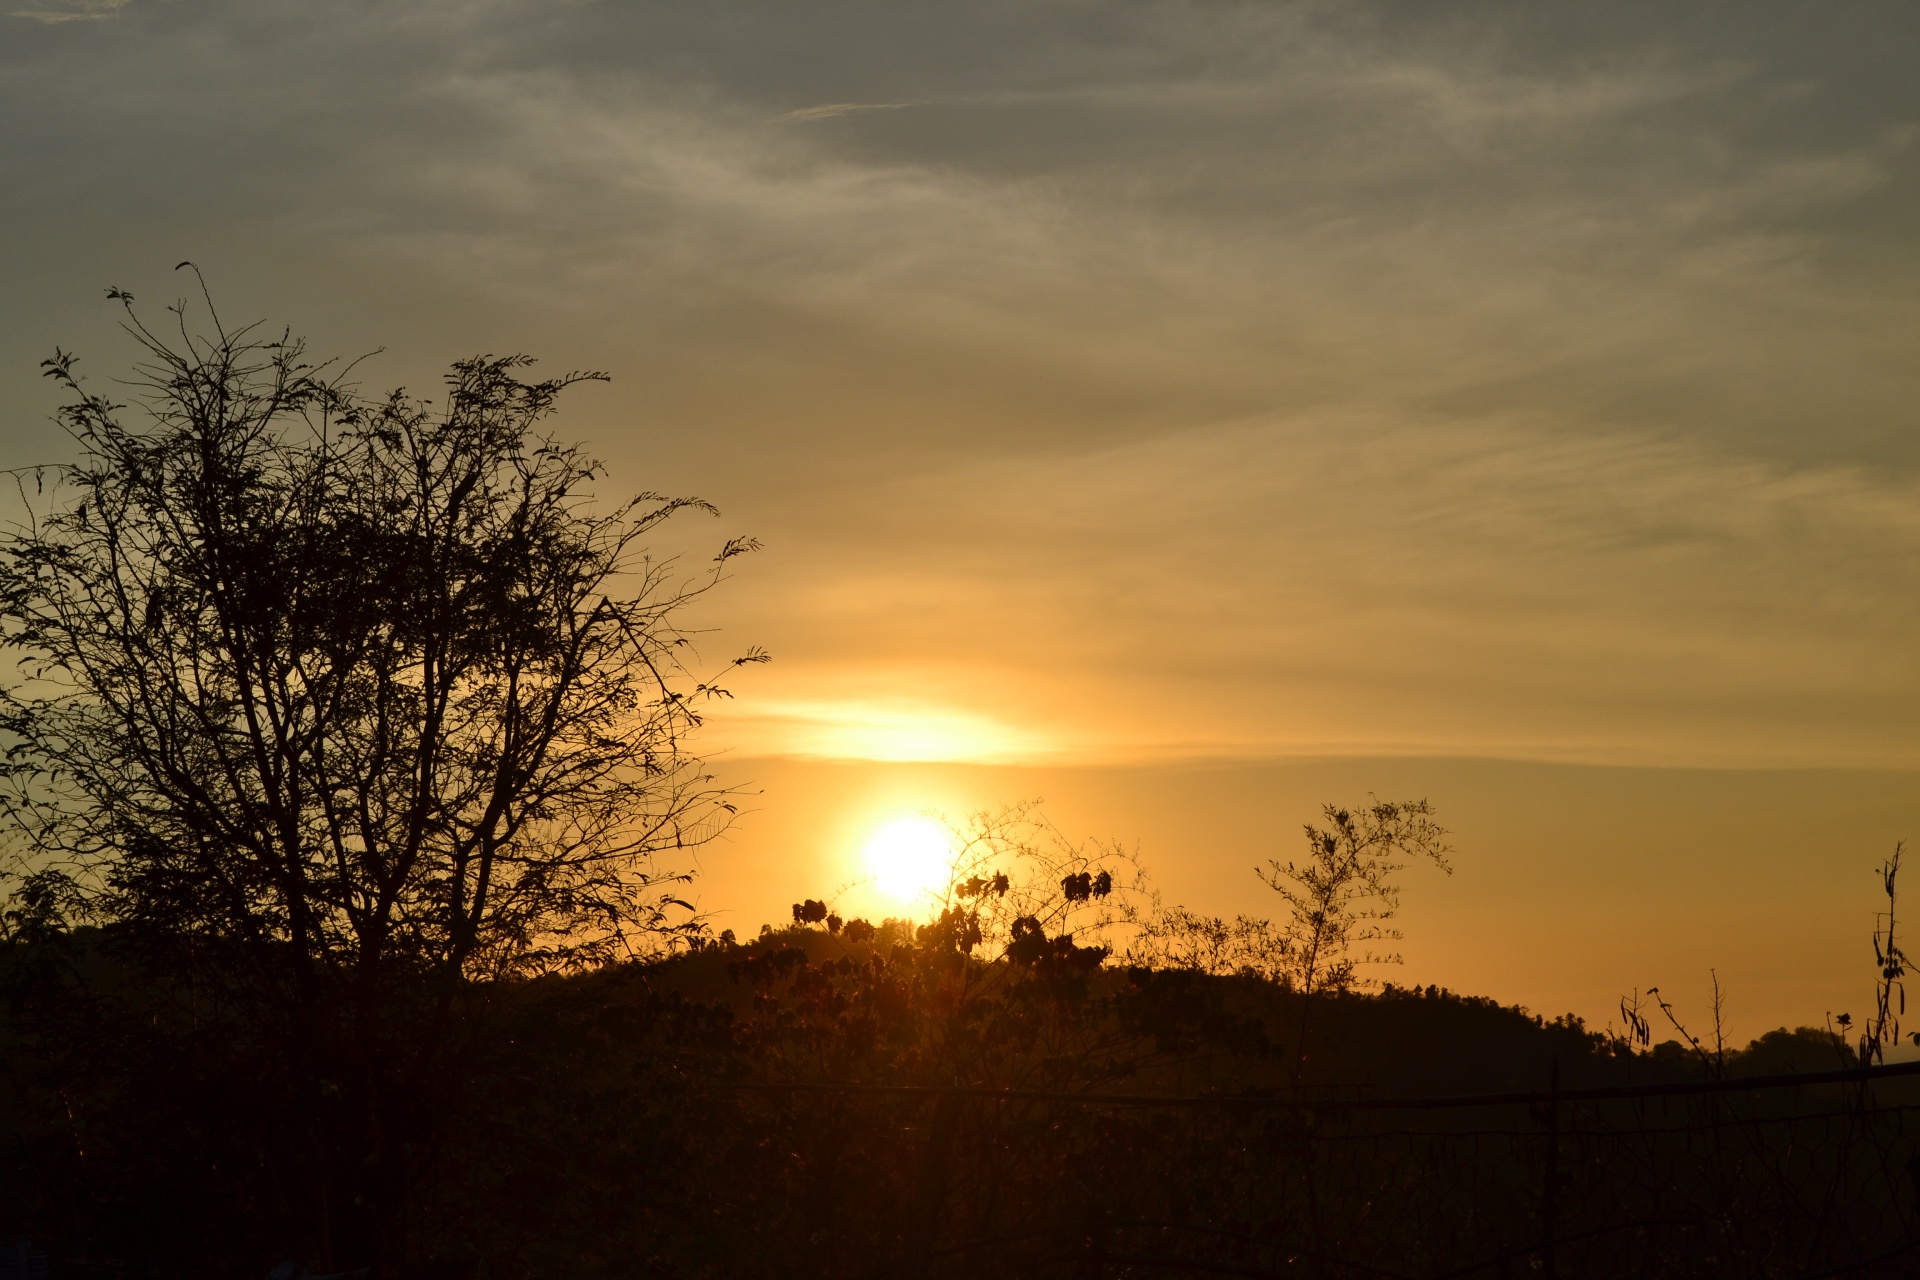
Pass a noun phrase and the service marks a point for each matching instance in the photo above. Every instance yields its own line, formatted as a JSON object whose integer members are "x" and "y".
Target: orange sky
{"x": 1507, "y": 404}
{"x": 1572, "y": 886}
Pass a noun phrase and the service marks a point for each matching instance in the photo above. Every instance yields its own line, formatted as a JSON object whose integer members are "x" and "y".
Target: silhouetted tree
{"x": 350, "y": 700}
{"x": 1343, "y": 895}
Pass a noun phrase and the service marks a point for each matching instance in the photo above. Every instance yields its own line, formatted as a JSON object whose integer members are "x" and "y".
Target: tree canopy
{"x": 371, "y": 678}
{"x": 334, "y": 704}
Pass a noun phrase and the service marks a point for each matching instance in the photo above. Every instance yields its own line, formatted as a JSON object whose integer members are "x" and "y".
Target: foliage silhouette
{"x": 334, "y": 705}
{"x": 1342, "y": 896}
{"x": 703, "y": 1115}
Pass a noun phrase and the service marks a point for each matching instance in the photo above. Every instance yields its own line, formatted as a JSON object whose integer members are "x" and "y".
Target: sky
{"x": 1186, "y": 412}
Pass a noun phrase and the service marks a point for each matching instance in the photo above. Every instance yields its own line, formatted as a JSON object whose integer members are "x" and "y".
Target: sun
{"x": 909, "y": 858}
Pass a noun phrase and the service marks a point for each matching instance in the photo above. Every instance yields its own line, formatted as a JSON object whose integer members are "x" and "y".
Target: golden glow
{"x": 891, "y": 730}
{"x": 909, "y": 858}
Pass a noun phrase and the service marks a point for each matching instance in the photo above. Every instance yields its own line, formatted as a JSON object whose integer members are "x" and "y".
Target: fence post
{"x": 1550, "y": 1190}
{"x": 933, "y": 1183}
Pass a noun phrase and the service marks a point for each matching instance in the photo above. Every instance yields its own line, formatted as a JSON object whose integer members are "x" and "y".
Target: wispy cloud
{"x": 1343, "y": 585}
{"x": 833, "y": 110}
{"x": 867, "y": 728}
{"x": 1233, "y": 379}
{"x": 72, "y": 11}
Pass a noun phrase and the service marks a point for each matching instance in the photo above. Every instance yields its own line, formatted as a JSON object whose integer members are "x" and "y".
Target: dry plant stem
{"x": 1713, "y": 1064}
{"x": 1719, "y": 1023}
{"x": 1890, "y": 992}
{"x": 1638, "y": 1031}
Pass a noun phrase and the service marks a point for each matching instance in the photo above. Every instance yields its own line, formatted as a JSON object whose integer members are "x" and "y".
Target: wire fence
{"x": 1795, "y": 1177}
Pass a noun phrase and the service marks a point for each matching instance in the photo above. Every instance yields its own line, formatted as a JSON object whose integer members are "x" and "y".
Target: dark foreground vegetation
{"x": 702, "y": 1116}
{"x": 345, "y": 783}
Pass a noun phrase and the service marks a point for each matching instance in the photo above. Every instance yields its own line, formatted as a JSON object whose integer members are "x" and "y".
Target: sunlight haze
{"x": 910, "y": 858}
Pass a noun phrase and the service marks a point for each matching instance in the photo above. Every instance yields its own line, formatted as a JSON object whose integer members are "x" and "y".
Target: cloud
{"x": 1379, "y": 587}
{"x": 892, "y": 729}
{"x": 834, "y": 110}
{"x": 1167, "y": 380}
{"x": 77, "y": 11}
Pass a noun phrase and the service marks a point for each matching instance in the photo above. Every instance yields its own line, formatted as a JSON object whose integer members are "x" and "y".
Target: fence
{"x": 1790, "y": 1177}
